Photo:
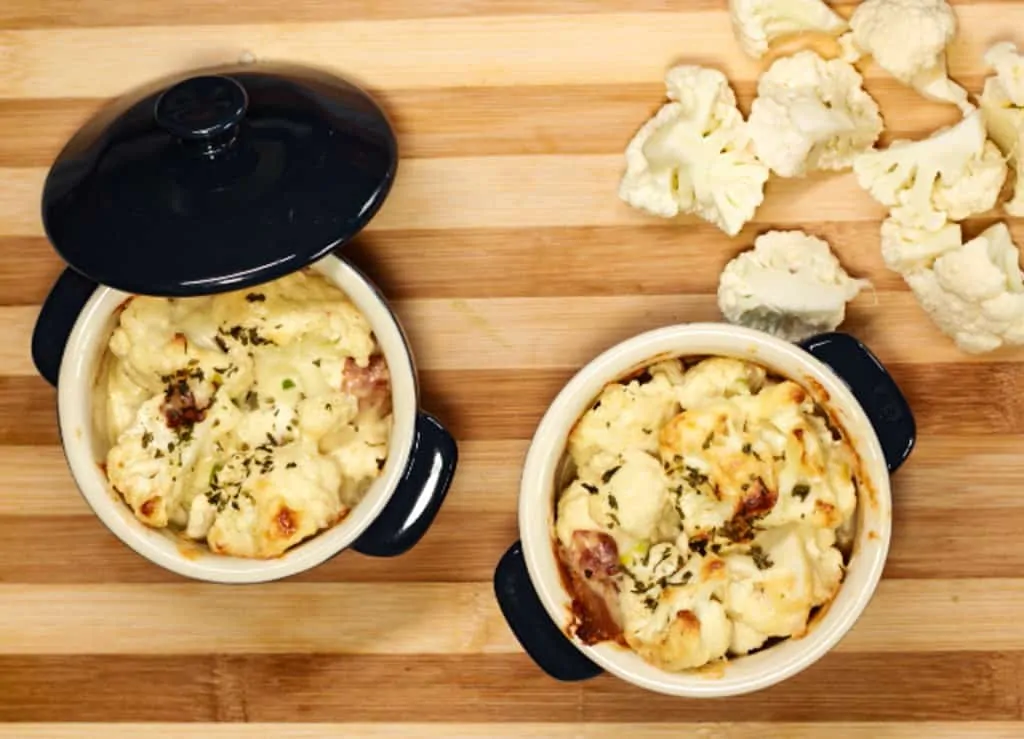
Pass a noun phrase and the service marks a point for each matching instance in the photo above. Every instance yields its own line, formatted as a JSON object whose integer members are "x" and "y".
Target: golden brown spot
{"x": 712, "y": 567}
{"x": 817, "y": 389}
{"x": 180, "y": 338}
{"x": 149, "y": 506}
{"x": 798, "y": 434}
{"x": 797, "y": 394}
{"x": 124, "y": 304}
{"x": 873, "y": 535}
{"x": 286, "y": 522}
{"x": 189, "y": 550}
{"x": 689, "y": 620}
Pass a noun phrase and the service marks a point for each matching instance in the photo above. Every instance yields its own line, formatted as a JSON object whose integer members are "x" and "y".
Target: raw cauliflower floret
{"x": 758, "y": 23}
{"x": 909, "y": 248}
{"x": 908, "y": 39}
{"x": 975, "y": 294}
{"x": 955, "y": 173}
{"x": 811, "y": 114}
{"x": 790, "y": 285}
{"x": 1002, "y": 103}
{"x": 694, "y": 155}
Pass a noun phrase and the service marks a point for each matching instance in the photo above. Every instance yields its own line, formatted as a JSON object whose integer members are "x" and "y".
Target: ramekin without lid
{"x": 72, "y": 333}
{"x": 839, "y": 372}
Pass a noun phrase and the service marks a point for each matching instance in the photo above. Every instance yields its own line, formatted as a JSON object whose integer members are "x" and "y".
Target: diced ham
{"x": 370, "y": 384}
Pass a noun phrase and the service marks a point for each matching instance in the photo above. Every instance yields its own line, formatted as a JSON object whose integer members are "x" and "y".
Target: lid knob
{"x": 199, "y": 108}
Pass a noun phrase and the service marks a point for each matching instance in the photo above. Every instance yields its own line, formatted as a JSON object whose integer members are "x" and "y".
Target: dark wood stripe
{"x": 79, "y": 549}
{"x": 307, "y": 688}
{"x": 475, "y": 121}
{"x": 508, "y": 404}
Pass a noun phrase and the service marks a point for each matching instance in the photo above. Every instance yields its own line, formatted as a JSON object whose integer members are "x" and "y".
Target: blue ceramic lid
{"x": 219, "y": 182}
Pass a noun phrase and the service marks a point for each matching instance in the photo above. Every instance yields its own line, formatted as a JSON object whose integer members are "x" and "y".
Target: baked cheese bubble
{"x": 249, "y": 420}
{"x": 709, "y": 511}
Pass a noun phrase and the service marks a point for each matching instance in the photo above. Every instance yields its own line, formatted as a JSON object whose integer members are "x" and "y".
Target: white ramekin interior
{"x": 537, "y": 495}
{"x": 82, "y": 355}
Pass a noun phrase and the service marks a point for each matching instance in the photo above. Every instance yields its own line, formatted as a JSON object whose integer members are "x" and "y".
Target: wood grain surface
{"x": 511, "y": 262}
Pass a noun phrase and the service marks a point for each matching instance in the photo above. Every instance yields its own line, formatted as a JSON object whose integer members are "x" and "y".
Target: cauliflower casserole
{"x": 709, "y": 510}
{"x": 250, "y": 420}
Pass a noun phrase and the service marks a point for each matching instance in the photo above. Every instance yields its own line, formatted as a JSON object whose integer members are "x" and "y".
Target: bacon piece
{"x": 594, "y": 552}
{"x": 370, "y": 384}
{"x": 592, "y": 561}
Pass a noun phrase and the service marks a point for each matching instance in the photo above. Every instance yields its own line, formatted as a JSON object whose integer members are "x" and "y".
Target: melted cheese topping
{"x": 727, "y": 495}
{"x": 251, "y": 420}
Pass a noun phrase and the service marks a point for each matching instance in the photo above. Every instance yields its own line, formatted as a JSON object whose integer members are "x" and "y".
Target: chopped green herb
{"x": 648, "y": 431}
{"x": 316, "y": 362}
{"x": 221, "y": 344}
{"x": 291, "y": 466}
{"x": 801, "y": 491}
{"x": 651, "y": 603}
{"x": 707, "y": 442}
{"x": 255, "y": 297}
{"x": 287, "y": 384}
{"x": 747, "y": 449}
{"x": 147, "y": 439}
{"x": 609, "y": 474}
{"x": 762, "y": 560}
{"x": 613, "y": 503}
{"x": 589, "y": 488}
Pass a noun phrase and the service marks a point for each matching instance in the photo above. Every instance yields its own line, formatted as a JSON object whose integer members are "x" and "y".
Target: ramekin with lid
{"x": 840, "y": 373}
{"x": 215, "y": 183}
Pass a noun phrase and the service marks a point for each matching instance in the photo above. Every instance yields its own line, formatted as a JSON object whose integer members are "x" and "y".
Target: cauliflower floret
{"x": 672, "y": 612}
{"x": 908, "y": 39}
{"x": 772, "y": 588}
{"x": 758, "y": 23}
{"x": 625, "y": 416}
{"x": 953, "y": 174}
{"x": 1002, "y": 103}
{"x": 908, "y": 248}
{"x": 718, "y": 377}
{"x": 975, "y": 294}
{"x": 1009, "y": 66}
{"x": 694, "y": 155}
{"x": 631, "y": 493}
{"x": 811, "y": 114}
{"x": 790, "y": 285}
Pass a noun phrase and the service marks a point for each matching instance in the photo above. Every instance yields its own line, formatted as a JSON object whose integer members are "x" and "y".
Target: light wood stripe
{"x": 520, "y": 333}
{"x": 90, "y": 13}
{"x": 942, "y": 475}
{"x": 508, "y": 404}
{"x": 839, "y": 730}
{"x": 479, "y": 121}
{"x": 610, "y": 48}
{"x": 503, "y": 192}
{"x": 422, "y": 618}
{"x": 936, "y": 686}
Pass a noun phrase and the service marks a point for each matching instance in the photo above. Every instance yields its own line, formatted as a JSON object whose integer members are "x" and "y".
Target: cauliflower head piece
{"x": 908, "y": 39}
{"x": 811, "y": 114}
{"x": 1002, "y": 104}
{"x": 757, "y": 23}
{"x": 909, "y": 248}
{"x": 955, "y": 173}
{"x": 694, "y": 156}
{"x": 790, "y": 285}
{"x": 975, "y": 293}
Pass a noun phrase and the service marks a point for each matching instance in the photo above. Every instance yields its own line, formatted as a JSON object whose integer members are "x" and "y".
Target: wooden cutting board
{"x": 511, "y": 262}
